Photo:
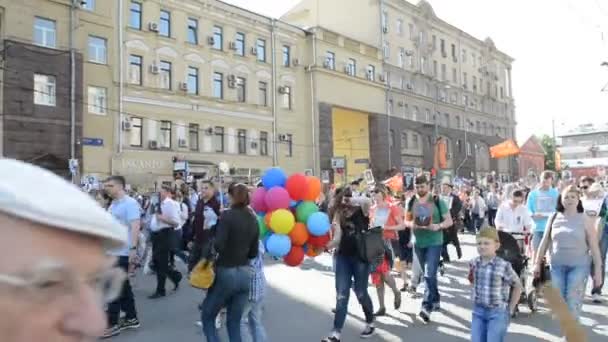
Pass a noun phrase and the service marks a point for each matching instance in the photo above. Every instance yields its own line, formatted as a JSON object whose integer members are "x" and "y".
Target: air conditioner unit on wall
{"x": 282, "y": 90}
{"x": 254, "y": 51}
{"x": 232, "y": 46}
{"x": 126, "y": 125}
{"x": 209, "y": 131}
{"x": 183, "y": 86}
{"x": 382, "y": 78}
{"x": 153, "y": 144}
{"x": 254, "y": 144}
{"x": 295, "y": 62}
{"x": 210, "y": 40}
{"x": 182, "y": 143}
{"x": 153, "y": 27}
{"x": 282, "y": 137}
{"x": 154, "y": 69}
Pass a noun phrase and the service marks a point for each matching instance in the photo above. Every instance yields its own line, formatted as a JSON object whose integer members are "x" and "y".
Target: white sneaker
{"x": 596, "y": 298}
{"x": 218, "y": 322}
{"x": 199, "y": 324}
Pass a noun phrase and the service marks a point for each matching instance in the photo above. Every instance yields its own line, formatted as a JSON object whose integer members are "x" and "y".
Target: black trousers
{"x": 450, "y": 236}
{"x": 161, "y": 248}
{"x": 492, "y": 216}
{"x": 126, "y": 301}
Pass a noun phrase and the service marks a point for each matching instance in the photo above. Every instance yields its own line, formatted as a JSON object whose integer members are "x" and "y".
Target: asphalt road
{"x": 299, "y": 302}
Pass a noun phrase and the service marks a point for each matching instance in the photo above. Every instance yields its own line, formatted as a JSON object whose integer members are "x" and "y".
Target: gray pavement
{"x": 299, "y": 302}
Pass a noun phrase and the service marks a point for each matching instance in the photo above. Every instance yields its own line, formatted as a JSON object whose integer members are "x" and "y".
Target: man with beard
{"x": 428, "y": 216}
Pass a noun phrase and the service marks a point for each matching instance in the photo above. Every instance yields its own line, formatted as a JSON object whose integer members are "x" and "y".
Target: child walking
{"x": 496, "y": 290}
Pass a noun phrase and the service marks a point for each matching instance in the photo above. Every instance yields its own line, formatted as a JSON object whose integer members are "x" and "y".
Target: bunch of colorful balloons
{"x": 290, "y": 222}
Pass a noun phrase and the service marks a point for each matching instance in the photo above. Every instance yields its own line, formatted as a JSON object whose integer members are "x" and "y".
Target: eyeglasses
{"x": 584, "y": 187}
{"x": 52, "y": 280}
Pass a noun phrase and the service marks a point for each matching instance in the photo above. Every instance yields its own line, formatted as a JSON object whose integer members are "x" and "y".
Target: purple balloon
{"x": 277, "y": 198}
{"x": 258, "y": 200}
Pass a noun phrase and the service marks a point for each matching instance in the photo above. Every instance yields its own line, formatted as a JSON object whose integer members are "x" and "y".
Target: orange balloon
{"x": 311, "y": 252}
{"x": 299, "y": 234}
{"x": 267, "y": 219}
{"x": 314, "y": 188}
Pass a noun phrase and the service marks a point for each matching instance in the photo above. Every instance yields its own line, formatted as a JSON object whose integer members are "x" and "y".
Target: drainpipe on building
{"x": 388, "y": 84}
{"x": 275, "y": 150}
{"x": 314, "y": 112}
{"x": 73, "y": 7}
{"x": 121, "y": 66}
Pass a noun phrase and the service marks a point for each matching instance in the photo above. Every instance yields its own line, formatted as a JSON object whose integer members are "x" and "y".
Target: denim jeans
{"x": 252, "y": 321}
{"x": 126, "y": 301}
{"x": 429, "y": 263}
{"x": 571, "y": 281}
{"x": 347, "y": 269}
{"x": 537, "y": 238}
{"x": 603, "y": 251}
{"x": 489, "y": 324}
{"x": 231, "y": 290}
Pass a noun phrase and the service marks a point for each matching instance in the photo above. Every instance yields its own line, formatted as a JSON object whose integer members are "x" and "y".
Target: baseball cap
{"x": 38, "y": 195}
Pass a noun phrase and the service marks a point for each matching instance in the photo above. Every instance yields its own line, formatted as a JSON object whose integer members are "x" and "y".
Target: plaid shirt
{"x": 258, "y": 280}
{"x": 492, "y": 282}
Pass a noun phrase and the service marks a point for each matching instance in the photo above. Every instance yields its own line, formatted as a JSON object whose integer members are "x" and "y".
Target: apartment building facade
{"x": 584, "y": 150}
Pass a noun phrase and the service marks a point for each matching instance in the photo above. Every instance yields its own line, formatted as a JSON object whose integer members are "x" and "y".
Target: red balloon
{"x": 297, "y": 186}
{"x": 295, "y": 256}
{"x": 314, "y": 189}
{"x": 318, "y": 241}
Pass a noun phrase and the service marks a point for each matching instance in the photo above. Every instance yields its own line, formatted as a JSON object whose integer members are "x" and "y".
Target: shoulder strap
{"x": 436, "y": 201}
{"x": 551, "y": 222}
{"x": 410, "y": 204}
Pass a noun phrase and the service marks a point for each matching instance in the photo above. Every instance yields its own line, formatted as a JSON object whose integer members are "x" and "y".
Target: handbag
{"x": 203, "y": 275}
{"x": 370, "y": 245}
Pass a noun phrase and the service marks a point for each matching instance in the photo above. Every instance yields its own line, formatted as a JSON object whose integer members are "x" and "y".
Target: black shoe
{"x": 156, "y": 295}
{"x": 111, "y": 332}
{"x": 368, "y": 332}
{"x": 333, "y": 310}
{"x": 425, "y": 316}
{"x": 330, "y": 339}
{"x": 132, "y": 323}
{"x": 397, "y": 301}
{"x": 380, "y": 312}
{"x": 442, "y": 270}
{"x": 179, "y": 279}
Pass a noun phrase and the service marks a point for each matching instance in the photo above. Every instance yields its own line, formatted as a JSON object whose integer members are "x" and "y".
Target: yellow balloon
{"x": 282, "y": 221}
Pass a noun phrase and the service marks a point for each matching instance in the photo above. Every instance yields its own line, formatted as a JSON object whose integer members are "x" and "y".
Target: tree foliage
{"x": 549, "y": 146}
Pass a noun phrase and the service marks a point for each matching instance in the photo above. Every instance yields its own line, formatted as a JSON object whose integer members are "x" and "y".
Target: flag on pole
{"x": 395, "y": 183}
{"x": 441, "y": 154}
{"x": 505, "y": 149}
{"x": 558, "y": 160}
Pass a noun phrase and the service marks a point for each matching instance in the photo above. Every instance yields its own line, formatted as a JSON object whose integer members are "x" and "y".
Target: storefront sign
{"x": 142, "y": 164}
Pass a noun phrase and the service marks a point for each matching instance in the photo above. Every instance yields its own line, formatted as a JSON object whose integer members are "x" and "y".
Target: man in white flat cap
{"x": 55, "y": 274}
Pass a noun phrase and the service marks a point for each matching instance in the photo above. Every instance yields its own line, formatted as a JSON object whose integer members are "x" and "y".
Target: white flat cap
{"x": 38, "y": 195}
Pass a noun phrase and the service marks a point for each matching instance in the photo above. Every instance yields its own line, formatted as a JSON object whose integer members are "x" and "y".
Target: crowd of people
{"x": 560, "y": 225}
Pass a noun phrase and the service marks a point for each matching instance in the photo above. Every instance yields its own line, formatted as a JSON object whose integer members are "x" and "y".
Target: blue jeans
{"x": 429, "y": 263}
{"x": 537, "y": 238}
{"x": 347, "y": 269}
{"x": 231, "y": 290}
{"x": 603, "y": 251}
{"x": 489, "y": 324}
{"x": 252, "y": 321}
{"x": 571, "y": 282}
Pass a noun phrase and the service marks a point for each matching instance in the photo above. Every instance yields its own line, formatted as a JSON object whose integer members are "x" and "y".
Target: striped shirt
{"x": 258, "y": 280}
{"x": 492, "y": 282}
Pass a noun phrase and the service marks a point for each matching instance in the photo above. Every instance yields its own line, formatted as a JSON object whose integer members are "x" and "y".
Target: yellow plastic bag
{"x": 202, "y": 275}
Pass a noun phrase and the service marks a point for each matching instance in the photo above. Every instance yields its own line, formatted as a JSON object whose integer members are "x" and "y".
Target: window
{"x": 164, "y": 28}
{"x": 242, "y": 141}
{"x": 434, "y": 42}
{"x": 454, "y": 75}
{"x": 478, "y": 127}
{"x": 289, "y": 140}
{"x": 45, "y": 32}
{"x": 218, "y": 85}
{"x": 219, "y": 139}
{"x": 165, "y": 134}
{"x": 473, "y": 59}
{"x": 263, "y": 143}
{"x": 136, "y": 133}
{"x": 98, "y": 52}
{"x": 443, "y": 52}
{"x": 135, "y": 15}
{"x": 385, "y": 21}
{"x": 352, "y": 67}
{"x": 464, "y": 56}
{"x": 465, "y": 77}
{"x": 97, "y": 100}
{"x": 135, "y": 63}
{"x": 400, "y": 27}
{"x": 261, "y": 50}
{"x": 240, "y": 44}
{"x": 410, "y": 61}
{"x": 241, "y": 89}
{"x": 193, "y": 136}
{"x": 263, "y": 94}
{"x": 218, "y": 38}
{"x": 404, "y": 142}
{"x": 459, "y": 145}
{"x": 474, "y": 83}
{"x": 391, "y": 141}
{"x": 390, "y": 107}
{"x": 401, "y": 57}
{"x": 444, "y": 73}
{"x": 446, "y": 119}
{"x": 411, "y": 28}
{"x": 330, "y": 60}
{"x": 286, "y": 56}
{"x": 371, "y": 72}
{"x": 435, "y": 69}
{"x": 468, "y": 148}
{"x": 491, "y": 129}
{"x": 502, "y": 93}
{"x": 387, "y": 50}
{"x": 454, "y": 51}
{"x": 192, "y": 81}
{"x": 88, "y": 5}
{"x": 427, "y": 115}
{"x": 192, "y": 31}
{"x": 481, "y": 85}
{"x": 415, "y": 142}
{"x": 485, "y": 128}
{"x": 415, "y": 113}
{"x": 287, "y": 97}
{"x": 44, "y": 90}
{"x": 165, "y": 75}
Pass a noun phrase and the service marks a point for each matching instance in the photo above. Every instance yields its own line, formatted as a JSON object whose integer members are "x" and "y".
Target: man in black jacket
{"x": 203, "y": 231}
{"x": 450, "y": 235}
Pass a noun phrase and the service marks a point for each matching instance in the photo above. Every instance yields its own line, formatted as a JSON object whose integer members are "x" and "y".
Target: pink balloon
{"x": 277, "y": 198}
{"x": 258, "y": 200}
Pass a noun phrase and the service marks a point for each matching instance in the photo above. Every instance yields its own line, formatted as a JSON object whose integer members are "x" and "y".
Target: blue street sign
{"x": 92, "y": 141}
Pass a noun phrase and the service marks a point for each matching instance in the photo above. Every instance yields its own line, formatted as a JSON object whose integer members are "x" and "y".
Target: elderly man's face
{"x": 44, "y": 315}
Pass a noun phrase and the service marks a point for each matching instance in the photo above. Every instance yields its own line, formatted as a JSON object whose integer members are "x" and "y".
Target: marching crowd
{"x": 417, "y": 226}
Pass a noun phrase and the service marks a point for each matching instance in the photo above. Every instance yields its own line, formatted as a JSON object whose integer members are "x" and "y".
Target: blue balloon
{"x": 274, "y": 177}
{"x": 318, "y": 224}
{"x": 293, "y": 204}
{"x": 278, "y": 245}
{"x": 265, "y": 240}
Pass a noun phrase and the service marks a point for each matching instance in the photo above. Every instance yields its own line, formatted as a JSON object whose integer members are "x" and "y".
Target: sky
{"x": 558, "y": 46}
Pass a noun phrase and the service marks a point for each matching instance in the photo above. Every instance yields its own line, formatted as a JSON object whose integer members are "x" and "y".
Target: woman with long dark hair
{"x": 236, "y": 243}
{"x": 350, "y": 217}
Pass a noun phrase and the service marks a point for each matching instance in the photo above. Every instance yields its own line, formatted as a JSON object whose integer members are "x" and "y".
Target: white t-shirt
{"x": 513, "y": 220}
{"x": 592, "y": 206}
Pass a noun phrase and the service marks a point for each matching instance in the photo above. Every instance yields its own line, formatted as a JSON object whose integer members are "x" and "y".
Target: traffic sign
{"x": 338, "y": 162}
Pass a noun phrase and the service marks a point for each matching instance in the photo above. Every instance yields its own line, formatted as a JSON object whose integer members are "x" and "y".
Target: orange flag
{"x": 504, "y": 149}
{"x": 558, "y": 160}
{"x": 395, "y": 183}
{"x": 441, "y": 153}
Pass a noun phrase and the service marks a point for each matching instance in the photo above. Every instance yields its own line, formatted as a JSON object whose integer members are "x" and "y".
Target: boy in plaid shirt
{"x": 493, "y": 279}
